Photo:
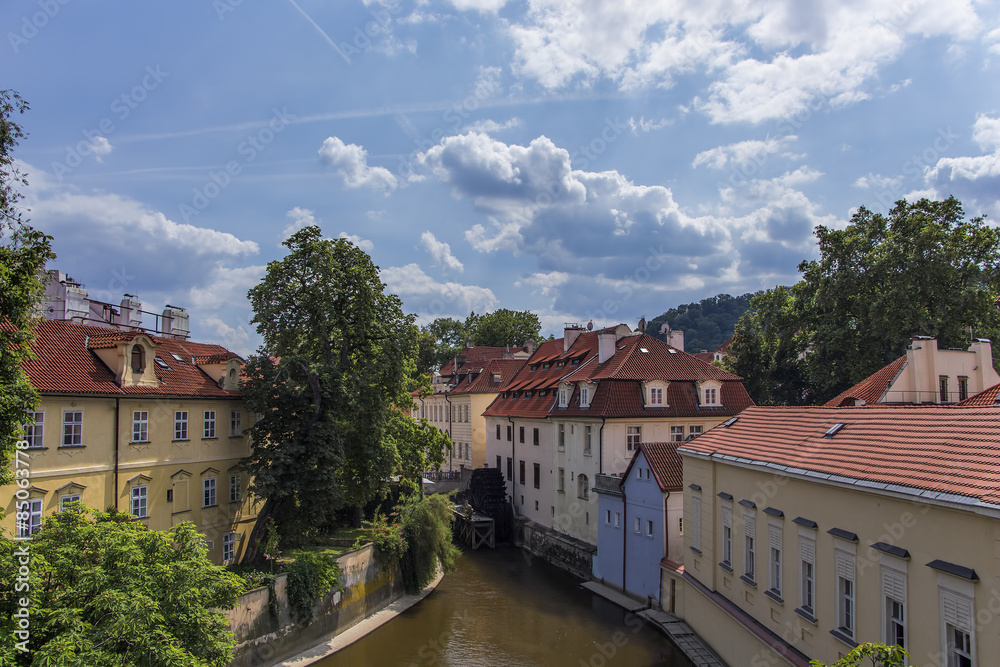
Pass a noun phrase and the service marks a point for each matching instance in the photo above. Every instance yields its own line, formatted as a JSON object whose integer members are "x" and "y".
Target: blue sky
{"x": 581, "y": 159}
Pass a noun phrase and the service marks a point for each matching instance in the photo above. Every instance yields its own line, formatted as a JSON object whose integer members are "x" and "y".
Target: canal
{"x": 502, "y": 607}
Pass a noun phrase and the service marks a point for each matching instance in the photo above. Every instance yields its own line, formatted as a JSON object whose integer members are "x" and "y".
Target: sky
{"x": 582, "y": 159}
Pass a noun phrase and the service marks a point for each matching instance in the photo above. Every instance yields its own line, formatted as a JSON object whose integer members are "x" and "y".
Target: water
{"x": 502, "y": 608}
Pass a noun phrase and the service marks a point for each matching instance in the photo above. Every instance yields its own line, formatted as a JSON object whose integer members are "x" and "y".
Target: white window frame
{"x": 677, "y": 433}
{"x": 68, "y": 498}
{"x": 637, "y": 525}
{"x": 180, "y": 424}
{"x": 139, "y": 501}
{"x": 656, "y": 397}
{"x": 234, "y": 488}
{"x": 750, "y": 544}
{"x": 140, "y": 426}
{"x": 694, "y": 431}
{"x": 588, "y": 440}
{"x": 633, "y": 437}
{"x": 846, "y": 590}
{"x": 618, "y": 519}
{"x": 775, "y": 564}
{"x": 34, "y": 430}
{"x": 807, "y": 571}
{"x": 582, "y": 487}
{"x": 562, "y": 397}
{"x": 228, "y": 548}
{"x": 607, "y": 518}
{"x": 72, "y": 430}
{"x": 696, "y": 520}
{"x": 561, "y": 441}
{"x": 208, "y": 498}
{"x": 33, "y": 508}
{"x": 235, "y": 423}
{"x": 727, "y": 534}
{"x": 649, "y": 528}
{"x": 957, "y": 611}
{"x": 562, "y": 480}
{"x": 584, "y": 396}
{"x": 894, "y": 580}
{"x": 711, "y": 396}
{"x": 208, "y": 427}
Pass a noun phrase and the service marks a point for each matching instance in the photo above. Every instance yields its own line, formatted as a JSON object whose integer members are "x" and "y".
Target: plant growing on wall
{"x": 310, "y": 577}
{"x": 879, "y": 654}
{"x": 427, "y": 530}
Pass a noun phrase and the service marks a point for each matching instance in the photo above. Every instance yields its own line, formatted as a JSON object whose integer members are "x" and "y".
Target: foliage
{"x": 421, "y": 447}
{"x": 503, "y": 327}
{"x": 921, "y": 270}
{"x": 105, "y": 590}
{"x": 336, "y": 354}
{"x": 310, "y": 576}
{"x": 880, "y": 655}
{"x": 427, "y": 530}
{"x": 387, "y": 538}
{"x": 23, "y": 253}
{"x": 706, "y": 324}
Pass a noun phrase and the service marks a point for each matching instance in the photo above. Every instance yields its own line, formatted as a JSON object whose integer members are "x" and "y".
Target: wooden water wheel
{"x": 488, "y": 496}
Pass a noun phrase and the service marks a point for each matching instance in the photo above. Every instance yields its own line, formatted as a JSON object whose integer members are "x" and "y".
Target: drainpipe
{"x": 600, "y": 447}
{"x": 624, "y": 530}
{"x": 513, "y": 460}
{"x": 451, "y": 432}
{"x": 117, "y": 428}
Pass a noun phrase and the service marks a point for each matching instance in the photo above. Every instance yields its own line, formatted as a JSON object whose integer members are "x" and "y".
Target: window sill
{"x": 561, "y": 491}
{"x": 140, "y": 442}
{"x": 205, "y": 507}
{"x": 235, "y": 502}
{"x": 181, "y": 440}
{"x": 748, "y": 581}
{"x": 726, "y": 566}
{"x": 236, "y": 436}
{"x": 72, "y": 446}
{"x": 806, "y": 615}
{"x": 209, "y": 437}
{"x": 696, "y": 550}
{"x": 587, "y": 454}
{"x": 34, "y": 449}
{"x": 774, "y": 595}
{"x": 844, "y": 637}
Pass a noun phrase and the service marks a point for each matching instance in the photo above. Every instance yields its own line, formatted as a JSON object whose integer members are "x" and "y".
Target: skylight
{"x": 670, "y": 350}
{"x": 161, "y": 363}
{"x": 644, "y": 350}
{"x": 176, "y": 356}
{"x": 832, "y": 431}
{"x": 729, "y": 422}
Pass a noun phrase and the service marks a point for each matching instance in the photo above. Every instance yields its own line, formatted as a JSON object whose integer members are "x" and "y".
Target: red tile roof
{"x": 477, "y": 356}
{"x": 667, "y": 465}
{"x": 483, "y": 382}
{"x": 65, "y": 364}
{"x": 984, "y": 398}
{"x": 935, "y": 449}
{"x": 872, "y": 388}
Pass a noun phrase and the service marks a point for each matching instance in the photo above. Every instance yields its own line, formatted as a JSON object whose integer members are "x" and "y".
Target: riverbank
{"x": 359, "y": 630}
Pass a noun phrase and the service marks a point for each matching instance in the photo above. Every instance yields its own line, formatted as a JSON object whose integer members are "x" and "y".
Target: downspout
{"x": 451, "y": 432}
{"x": 624, "y": 530}
{"x": 666, "y": 547}
{"x": 513, "y": 460}
{"x": 600, "y": 448}
{"x": 117, "y": 429}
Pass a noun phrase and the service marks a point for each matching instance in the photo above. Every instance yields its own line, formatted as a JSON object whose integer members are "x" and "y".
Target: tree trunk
{"x": 253, "y": 553}
{"x": 357, "y": 515}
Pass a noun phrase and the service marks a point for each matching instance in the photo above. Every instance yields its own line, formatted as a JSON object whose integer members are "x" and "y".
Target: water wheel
{"x": 488, "y": 496}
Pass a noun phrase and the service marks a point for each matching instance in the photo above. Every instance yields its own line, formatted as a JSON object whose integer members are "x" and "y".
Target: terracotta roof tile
{"x": 946, "y": 449}
{"x": 872, "y": 388}
{"x": 665, "y": 462}
{"x": 483, "y": 382}
{"x": 986, "y": 397}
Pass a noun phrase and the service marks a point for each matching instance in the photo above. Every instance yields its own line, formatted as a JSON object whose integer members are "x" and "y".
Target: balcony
{"x": 608, "y": 484}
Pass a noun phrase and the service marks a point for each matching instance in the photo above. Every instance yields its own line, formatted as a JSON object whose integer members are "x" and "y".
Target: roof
{"x": 872, "y": 388}
{"x": 934, "y": 449}
{"x": 478, "y": 354}
{"x": 986, "y": 397}
{"x": 64, "y": 363}
{"x": 482, "y": 382}
{"x": 667, "y": 465}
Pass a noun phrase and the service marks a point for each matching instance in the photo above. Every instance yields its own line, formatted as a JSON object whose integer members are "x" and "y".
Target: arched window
{"x": 582, "y": 487}
{"x": 138, "y": 359}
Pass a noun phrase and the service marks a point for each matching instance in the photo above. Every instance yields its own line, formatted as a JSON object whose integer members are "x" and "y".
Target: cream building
{"x": 810, "y": 530}
{"x": 151, "y": 425}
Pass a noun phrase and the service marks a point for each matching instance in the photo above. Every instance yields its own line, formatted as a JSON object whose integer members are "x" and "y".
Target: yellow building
{"x": 151, "y": 425}
{"x": 810, "y": 530}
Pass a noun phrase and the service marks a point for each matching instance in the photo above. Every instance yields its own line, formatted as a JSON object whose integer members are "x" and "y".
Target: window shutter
{"x": 894, "y": 584}
{"x": 696, "y": 518}
{"x": 727, "y": 516}
{"x": 957, "y": 610}
{"x": 845, "y": 565}
{"x": 807, "y": 550}
{"x": 774, "y": 538}
{"x": 749, "y": 525}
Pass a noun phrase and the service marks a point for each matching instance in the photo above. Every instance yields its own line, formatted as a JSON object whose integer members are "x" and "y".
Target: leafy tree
{"x": 923, "y": 269}
{"x": 23, "y": 253}
{"x": 105, "y": 590}
{"x": 335, "y": 357}
{"x": 427, "y": 531}
{"x": 503, "y": 327}
{"x": 450, "y": 336}
{"x": 421, "y": 447}
{"x": 879, "y": 654}
{"x": 706, "y": 324}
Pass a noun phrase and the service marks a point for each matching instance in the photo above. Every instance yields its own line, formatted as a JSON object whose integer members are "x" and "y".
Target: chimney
{"x": 571, "y": 332}
{"x": 675, "y": 338}
{"x": 606, "y": 340}
{"x": 130, "y": 315}
{"x": 174, "y": 322}
{"x": 529, "y": 346}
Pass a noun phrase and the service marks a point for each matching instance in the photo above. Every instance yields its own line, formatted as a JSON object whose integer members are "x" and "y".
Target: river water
{"x": 503, "y": 608}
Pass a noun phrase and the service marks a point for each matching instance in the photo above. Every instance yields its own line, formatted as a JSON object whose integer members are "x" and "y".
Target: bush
{"x": 427, "y": 531}
{"x": 387, "y": 539}
{"x": 310, "y": 576}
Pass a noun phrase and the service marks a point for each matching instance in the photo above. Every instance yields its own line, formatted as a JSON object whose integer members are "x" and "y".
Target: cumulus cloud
{"x": 974, "y": 179}
{"x": 440, "y": 252}
{"x": 300, "y": 217}
{"x": 423, "y": 294}
{"x": 986, "y": 132}
{"x": 644, "y": 126}
{"x": 350, "y": 162}
{"x": 489, "y": 126}
{"x": 364, "y": 244}
{"x": 100, "y": 147}
{"x": 743, "y": 152}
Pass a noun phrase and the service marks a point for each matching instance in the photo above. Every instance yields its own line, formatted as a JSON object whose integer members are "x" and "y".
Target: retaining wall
{"x": 563, "y": 551}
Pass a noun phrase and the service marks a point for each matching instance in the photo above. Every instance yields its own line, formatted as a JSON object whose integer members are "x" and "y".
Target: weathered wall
{"x": 260, "y": 642}
{"x": 564, "y": 552}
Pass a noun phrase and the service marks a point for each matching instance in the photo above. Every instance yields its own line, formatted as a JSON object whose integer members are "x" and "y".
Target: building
{"x": 461, "y": 390}
{"x": 926, "y": 374}
{"x": 640, "y": 520}
{"x": 810, "y": 530}
{"x": 151, "y": 425}
{"x": 580, "y": 407}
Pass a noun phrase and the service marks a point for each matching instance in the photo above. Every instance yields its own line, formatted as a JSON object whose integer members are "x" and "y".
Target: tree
{"x": 923, "y": 269}
{"x": 880, "y": 655}
{"x": 450, "y": 336}
{"x": 335, "y": 357}
{"x": 23, "y": 253}
{"x": 706, "y": 324}
{"x": 105, "y": 590}
{"x": 420, "y": 446}
{"x": 503, "y": 327}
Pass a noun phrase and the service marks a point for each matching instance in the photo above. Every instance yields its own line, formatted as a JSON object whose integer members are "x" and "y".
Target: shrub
{"x": 427, "y": 531}
{"x": 310, "y": 576}
{"x": 387, "y": 538}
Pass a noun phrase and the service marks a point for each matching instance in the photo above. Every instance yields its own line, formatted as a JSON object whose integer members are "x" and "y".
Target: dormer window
{"x": 562, "y": 397}
{"x": 656, "y": 394}
{"x": 711, "y": 396}
{"x": 584, "y": 397}
{"x": 138, "y": 359}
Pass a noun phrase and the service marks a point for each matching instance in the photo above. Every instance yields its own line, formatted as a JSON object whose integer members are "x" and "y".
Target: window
{"x": 180, "y": 425}
{"x": 562, "y": 437}
{"x": 70, "y": 498}
{"x": 234, "y": 488}
{"x": 582, "y": 487}
{"x": 521, "y": 471}
{"x": 498, "y": 431}
{"x": 727, "y": 536}
{"x": 510, "y": 469}
{"x": 943, "y": 387}
{"x": 959, "y": 647}
{"x": 228, "y": 547}
{"x": 208, "y": 484}
{"x": 618, "y": 519}
{"x": 510, "y": 433}
{"x": 637, "y": 525}
{"x": 711, "y": 396}
{"x": 845, "y": 592}
{"x": 521, "y": 434}
{"x": 774, "y": 542}
{"x": 584, "y": 397}
{"x": 562, "y": 397}
{"x": 649, "y": 528}
{"x": 587, "y": 440}
{"x": 676, "y": 434}
{"x": 694, "y": 431}
{"x": 140, "y": 425}
{"x": 749, "y": 546}
{"x": 680, "y": 525}
{"x": 34, "y": 429}
{"x": 562, "y": 481}
{"x": 536, "y": 475}
{"x": 534, "y": 436}
{"x": 29, "y": 517}
{"x": 963, "y": 388}
{"x": 633, "y": 437}
{"x": 807, "y": 558}
{"x": 498, "y": 462}
{"x": 696, "y": 520}
{"x": 656, "y": 396}
{"x": 607, "y": 518}
{"x": 72, "y": 428}
{"x": 235, "y": 423}
{"x": 138, "y": 506}
{"x": 209, "y": 431}
{"x": 958, "y": 616}
{"x": 138, "y": 359}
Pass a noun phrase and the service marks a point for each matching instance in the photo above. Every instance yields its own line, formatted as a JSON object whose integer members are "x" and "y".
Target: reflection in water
{"x": 503, "y": 608}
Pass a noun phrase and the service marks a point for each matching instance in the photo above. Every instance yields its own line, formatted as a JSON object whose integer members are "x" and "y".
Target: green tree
{"x": 336, "y": 354}
{"x": 503, "y": 327}
{"x": 879, "y": 654}
{"x": 105, "y": 590}
{"x": 450, "y": 336}
{"x": 421, "y": 447}
{"x": 427, "y": 531}
{"x": 923, "y": 269}
{"x": 706, "y": 324}
{"x": 23, "y": 253}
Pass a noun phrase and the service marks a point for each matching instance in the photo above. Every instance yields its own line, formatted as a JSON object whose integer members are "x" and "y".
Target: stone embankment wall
{"x": 563, "y": 551}
{"x": 262, "y": 642}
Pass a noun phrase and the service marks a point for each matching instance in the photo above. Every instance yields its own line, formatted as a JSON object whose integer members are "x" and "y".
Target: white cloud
{"x": 743, "y": 152}
{"x": 351, "y": 163}
{"x": 986, "y": 132}
{"x": 364, "y": 244}
{"x": 488, "y": 126}
{"x": 300, "y": 217}
{"x": 647, "y": 125}
{"x": 440, "y": 252}
{"x": 478, "y": 5}
{"x": 423, "y": 294}
{"x": 100, "y": 147}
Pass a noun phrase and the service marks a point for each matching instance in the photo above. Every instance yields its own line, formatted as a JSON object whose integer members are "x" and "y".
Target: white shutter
{"x": 696, "y": 521}
{"x": 749, "y": 525}
{"x": 894, "y": 584}
{"x": 775, "y": 537}
{"x": 845, "y": 565}
{"x": 957, "y": 610}
{"x": 727, "y": 516}
{"x": 807, "y": 550}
